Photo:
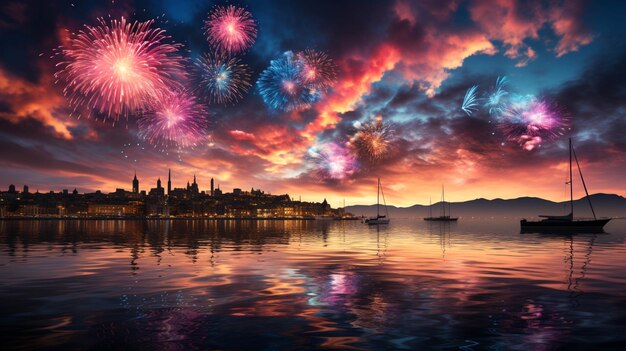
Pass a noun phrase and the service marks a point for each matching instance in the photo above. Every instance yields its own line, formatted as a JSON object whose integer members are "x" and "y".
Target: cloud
{"x": 515, "y": 22}
{"x": 22, "y": 99}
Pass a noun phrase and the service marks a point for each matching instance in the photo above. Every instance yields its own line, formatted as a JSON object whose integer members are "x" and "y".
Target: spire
{"x": 169, "y": 180}
{"x": 194, "y": 179}
{"x": 135, "y": 183}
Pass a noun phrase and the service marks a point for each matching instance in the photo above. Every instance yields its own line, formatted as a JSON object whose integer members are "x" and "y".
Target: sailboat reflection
{"x": 443, "y": 230}
{"x": 575, "y": 278}
{"x": 381, "y": 248}
{"x": 575, "y": 245}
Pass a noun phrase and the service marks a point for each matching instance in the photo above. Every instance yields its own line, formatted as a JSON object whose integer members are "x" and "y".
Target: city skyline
{"x": 162, "y": 202}
{"x": 395, "y": 64}
{"x": 135, "y": 186}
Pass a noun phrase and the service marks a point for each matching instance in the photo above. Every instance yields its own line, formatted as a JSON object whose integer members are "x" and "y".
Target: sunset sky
{"x": 409, "y": 64}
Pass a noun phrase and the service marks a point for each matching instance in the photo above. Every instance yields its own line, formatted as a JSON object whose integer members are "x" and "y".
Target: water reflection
{"x": 309, "y": 285}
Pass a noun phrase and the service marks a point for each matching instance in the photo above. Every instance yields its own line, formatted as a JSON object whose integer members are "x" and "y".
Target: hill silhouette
{"x": 605, "y": 205}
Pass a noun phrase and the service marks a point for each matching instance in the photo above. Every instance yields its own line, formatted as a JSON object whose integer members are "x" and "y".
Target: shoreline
{"x": 170, "y": 218}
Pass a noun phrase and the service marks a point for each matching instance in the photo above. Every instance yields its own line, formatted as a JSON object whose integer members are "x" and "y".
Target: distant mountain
{"x": 605, "y": 205}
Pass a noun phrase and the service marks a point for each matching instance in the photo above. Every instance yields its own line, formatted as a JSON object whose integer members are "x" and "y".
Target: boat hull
{"x": 584, "y": 225}
{"x": 377, "y": 221}
{"x": 441, "y": 219}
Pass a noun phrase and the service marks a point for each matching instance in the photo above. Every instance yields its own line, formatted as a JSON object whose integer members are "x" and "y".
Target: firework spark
{"x": 115, "y": 69}
{"x": 530, "y": 121}
{"x": 333, "y": 161}
{"x": 231, "y": 29}
{"x": 281, "y": 87}
{"x": 373, "y": 141}
{"x": 317, "y": 70}
{"x": 496, "y": 100}
{"x": 221, "y": 79}
{"x": 470, "y": 101}
{"x": 175, "y": 120}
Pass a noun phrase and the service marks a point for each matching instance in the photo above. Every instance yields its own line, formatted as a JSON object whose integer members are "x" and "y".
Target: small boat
{"x": 568, "y": 222}
{"x": 379, "y": 219}
{"x": 443, "y": 217}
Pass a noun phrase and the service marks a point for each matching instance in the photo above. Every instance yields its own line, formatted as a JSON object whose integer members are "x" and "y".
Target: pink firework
{"x": 530, "y": 121}
{"x": 175, "y": 119}
{"x": 115, "y": 69}
{"x": 317, "y": 70}
{"x": 230, "y": 29}
{"x": 333, "y": 161}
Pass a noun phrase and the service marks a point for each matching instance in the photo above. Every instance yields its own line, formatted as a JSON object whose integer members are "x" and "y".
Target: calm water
{"x": 273, "y": 285}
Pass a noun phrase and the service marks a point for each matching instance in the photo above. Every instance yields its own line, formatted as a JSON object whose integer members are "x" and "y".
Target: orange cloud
{"x": 513, "y": 22}
{"x": 241, "y": 135}
{"x": 358, "y": 73}
{"x": 445, "y": 52}
{"x": 30, "y": 100}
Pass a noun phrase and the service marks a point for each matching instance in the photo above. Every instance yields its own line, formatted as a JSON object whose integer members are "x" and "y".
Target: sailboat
{"x": 379, "y": 219}
{"x": 443, "y": 217}
{"x": 567, "y": 222}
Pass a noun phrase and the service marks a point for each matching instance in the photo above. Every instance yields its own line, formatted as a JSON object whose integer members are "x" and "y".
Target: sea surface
{"x": 295, "y": 285}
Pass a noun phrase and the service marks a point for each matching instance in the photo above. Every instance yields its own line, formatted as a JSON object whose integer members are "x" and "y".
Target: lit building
{"x": 130, "y": 209}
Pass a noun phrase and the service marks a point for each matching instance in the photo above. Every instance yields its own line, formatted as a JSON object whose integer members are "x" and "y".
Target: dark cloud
{"x": 596, "y": 103}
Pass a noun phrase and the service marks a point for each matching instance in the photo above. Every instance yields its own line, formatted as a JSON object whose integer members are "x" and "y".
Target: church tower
{"x": 169, "y": 181}
{"x": 194, "y": 186}
{"x": 212, "y": 188}
{"x": 135, "y": 184}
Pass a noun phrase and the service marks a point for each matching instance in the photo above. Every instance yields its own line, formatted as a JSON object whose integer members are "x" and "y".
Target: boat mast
{"x": 582, "y": 179}
{"x": 571, "y": 185}
{"x": 378, "y": 199}
{"x": 443, "y": 201}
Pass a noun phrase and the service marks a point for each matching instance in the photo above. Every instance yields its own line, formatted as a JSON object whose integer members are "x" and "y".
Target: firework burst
{"x": 496, "y": 100}
{"x": 281, "y": 86}
{"x": 175, "y": 120}
{"x": 530, "y": 121}
{"x": 317, "y": 70}
{"x": 374, "y": 140}
{"x": 470, "y": 101}
{"x": 333, "y": 161}
{"x": 231, "y": 29}
{"x": 221, "y": 79}
{"x": 115, "y": 69}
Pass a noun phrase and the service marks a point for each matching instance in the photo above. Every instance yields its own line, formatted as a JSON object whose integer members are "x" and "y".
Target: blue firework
{"x": 221, "y": 79}
{"x": 496, "y": 100}
{"x": 470, "y": 101}
{"x": 281, "y": 85}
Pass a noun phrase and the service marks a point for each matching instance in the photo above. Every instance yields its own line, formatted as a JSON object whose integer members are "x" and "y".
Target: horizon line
{"x": 492, "y": 199}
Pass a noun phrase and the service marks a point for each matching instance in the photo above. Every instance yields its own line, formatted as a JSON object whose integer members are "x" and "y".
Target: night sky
{"x": 408, "y": 63}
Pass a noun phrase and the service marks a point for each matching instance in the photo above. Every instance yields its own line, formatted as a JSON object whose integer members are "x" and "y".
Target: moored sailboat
{"x": 443, "y": 217}
{"x": 568, "y": 222}
{"x": 379, "y": 219}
